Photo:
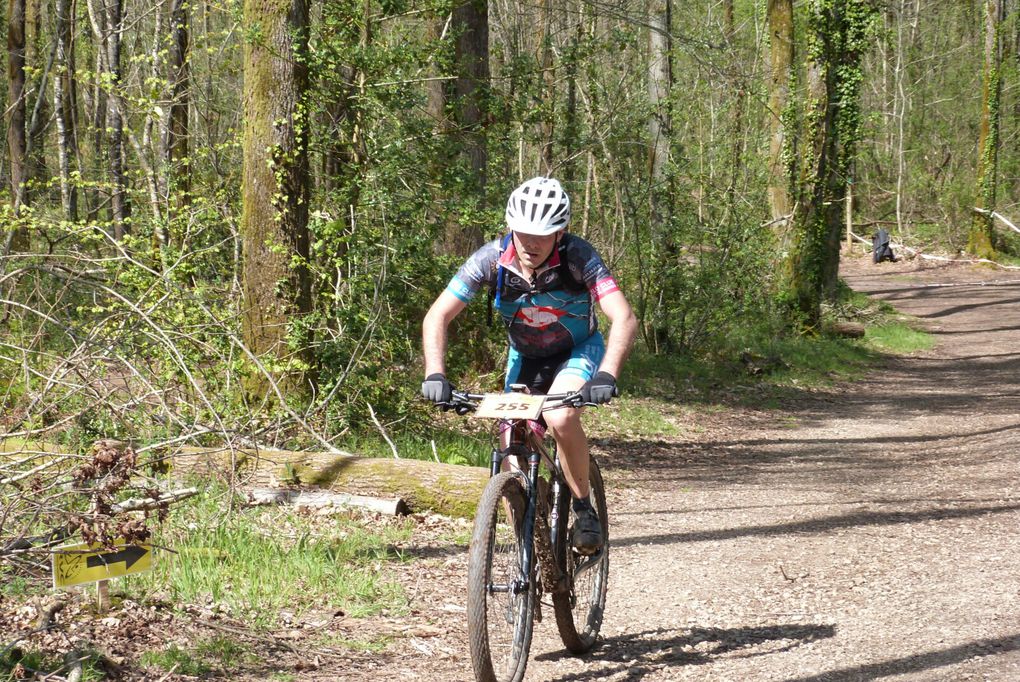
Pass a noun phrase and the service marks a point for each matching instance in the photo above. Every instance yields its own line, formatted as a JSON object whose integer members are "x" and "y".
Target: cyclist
{"x": 545, "y": 283}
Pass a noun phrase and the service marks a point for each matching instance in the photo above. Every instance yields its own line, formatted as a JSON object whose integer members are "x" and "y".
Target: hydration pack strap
{"x": 566, "y": 276}
{"x": 499, "y": 279}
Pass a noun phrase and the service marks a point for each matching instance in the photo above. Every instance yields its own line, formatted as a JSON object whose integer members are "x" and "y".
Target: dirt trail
{"x": 867, "y": 532}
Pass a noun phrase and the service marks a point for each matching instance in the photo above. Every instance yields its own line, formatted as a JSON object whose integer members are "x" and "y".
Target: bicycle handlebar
{"x": 464, "y": 402}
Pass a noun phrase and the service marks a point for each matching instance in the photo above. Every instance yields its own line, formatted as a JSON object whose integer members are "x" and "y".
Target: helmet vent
{"x": 539, "y": 206}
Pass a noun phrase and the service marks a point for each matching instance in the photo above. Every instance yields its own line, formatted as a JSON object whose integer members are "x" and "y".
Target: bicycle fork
{"x": 523, "y": 582}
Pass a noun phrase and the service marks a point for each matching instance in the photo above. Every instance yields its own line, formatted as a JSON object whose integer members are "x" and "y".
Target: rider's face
{"x": 533, "y": 250}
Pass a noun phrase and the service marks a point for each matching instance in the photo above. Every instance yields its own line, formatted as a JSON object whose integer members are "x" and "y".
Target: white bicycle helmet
{"x": 539, "y": 206}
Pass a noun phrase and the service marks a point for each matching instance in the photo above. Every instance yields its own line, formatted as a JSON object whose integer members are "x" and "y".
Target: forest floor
{"x": 862, "y": 531}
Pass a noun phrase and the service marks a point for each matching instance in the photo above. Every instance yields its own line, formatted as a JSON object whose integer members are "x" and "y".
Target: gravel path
{"x": 867, "y": 532}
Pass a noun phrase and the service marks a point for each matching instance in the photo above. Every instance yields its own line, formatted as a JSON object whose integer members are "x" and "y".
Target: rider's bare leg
{"x": 571, "y": 443}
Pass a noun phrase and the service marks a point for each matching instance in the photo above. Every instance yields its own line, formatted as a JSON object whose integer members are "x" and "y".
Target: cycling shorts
{"x": 538, "y": 374}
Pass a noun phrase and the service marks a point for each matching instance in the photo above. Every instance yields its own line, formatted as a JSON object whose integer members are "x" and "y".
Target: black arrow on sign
{"x": 129, "y": 555}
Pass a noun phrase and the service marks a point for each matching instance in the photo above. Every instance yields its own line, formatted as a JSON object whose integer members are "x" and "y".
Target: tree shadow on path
{"x": 918, "y": 662}
{"x": 818, "y": 526}
{"x": 639, "y": 654}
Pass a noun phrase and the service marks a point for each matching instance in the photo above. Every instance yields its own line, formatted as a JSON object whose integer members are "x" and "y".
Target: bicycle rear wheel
{"x": 500, "y": 613}
{"x": 579, "y": 610}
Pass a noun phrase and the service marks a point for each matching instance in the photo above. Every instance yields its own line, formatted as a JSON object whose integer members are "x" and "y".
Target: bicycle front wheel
{"x": 500, "y": 607}
{"x": 579, "y": 609}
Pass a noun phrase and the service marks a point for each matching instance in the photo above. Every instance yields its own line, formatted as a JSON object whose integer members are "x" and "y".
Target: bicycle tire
{"x": 579, "y": 609}
{"x": 500, "y": 623}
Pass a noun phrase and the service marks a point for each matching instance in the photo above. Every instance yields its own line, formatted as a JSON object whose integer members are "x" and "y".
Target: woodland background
{"x": 221, "y": 222}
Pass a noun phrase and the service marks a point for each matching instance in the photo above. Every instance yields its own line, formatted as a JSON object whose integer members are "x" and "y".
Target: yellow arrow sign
{"x": 83, "y": 563}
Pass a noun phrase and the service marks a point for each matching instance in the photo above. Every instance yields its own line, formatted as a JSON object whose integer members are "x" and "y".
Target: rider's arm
{"x": 433, "y": 331}
{"x": 622, "y": 330}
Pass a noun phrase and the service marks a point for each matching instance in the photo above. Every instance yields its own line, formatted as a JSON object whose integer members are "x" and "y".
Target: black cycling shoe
{"x": 587, "y": 535}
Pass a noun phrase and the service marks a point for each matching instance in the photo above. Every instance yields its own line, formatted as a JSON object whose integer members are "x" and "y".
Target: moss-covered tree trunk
{"x": 274, "y": 214}
{"x": 838, "y": 33}
{"x": 781, "y": 52}
{"x": 981, "y": 239}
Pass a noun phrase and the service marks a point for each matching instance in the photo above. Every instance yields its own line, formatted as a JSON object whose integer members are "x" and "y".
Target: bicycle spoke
{"x": 500, "y": 602}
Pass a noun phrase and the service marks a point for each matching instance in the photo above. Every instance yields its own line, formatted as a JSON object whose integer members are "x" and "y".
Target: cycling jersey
{"x": 544, "y": 315}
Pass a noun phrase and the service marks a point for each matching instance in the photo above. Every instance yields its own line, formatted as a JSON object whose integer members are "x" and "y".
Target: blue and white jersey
{"x": 543, "y": 315}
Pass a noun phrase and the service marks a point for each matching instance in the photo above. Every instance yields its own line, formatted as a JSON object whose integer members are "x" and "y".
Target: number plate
{"x": 510, "y": 406}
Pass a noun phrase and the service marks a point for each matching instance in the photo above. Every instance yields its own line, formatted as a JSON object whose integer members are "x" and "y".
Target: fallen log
{"x": 852, "y": 330}
{"x": 424, "y": 486}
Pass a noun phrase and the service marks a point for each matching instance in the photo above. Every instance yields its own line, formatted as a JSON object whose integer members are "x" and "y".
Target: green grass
{"x": 260, "y": 562}
{"x": 49, "y": 663}
{"x": 898, "y": 338}
{"x": 636, "y": 417}
{"x": 181, "y": 661}
{"x": 370, "y": 646}
{"x": 772, "y": 362}
{"x": 452, "y": 447}
{"x": 803, "y": 361}
{"x": 15, "y": 585}
{"x": 207, "y": 655}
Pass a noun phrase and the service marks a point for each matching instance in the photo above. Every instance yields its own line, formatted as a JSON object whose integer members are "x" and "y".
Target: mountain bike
{"x": 520, "y": 548}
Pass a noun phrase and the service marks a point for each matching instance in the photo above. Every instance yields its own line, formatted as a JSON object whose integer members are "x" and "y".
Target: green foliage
{"x": 32, "y": 660}
{"x": 216, "y": 653}
{"x": 899, "y": 338}
{"x": 416, "y": 442}
{"x": 176, "y": 659}
{"x": 139, "y": 338}
{"x": 259, "y": 563}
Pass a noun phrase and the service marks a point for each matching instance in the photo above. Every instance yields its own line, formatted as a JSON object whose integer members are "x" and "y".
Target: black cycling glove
{"x": 600, "y": 389}
{"x": 436, "y": 388}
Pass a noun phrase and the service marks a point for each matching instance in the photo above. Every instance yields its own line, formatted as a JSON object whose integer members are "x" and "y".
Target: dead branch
{"x": 142, "y": 504}
{"x": 322, "y": 498}
{"x": 385, "y": 436}
{"x": 776, "y": 221}
{"x": 997, "y": 216}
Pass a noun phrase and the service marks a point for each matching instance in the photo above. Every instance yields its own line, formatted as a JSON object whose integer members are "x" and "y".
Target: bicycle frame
{"x": 525, "y": 444}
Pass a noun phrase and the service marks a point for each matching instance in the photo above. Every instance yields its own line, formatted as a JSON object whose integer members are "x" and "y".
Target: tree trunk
{"x": 660, "y": 85}
{"x": 548, "y": 127}
{"x": 97, "y": 119}
{"x": 424, "y": 486}
{"x": 115, "y": 119}
{"x": 17, "y": 141}
{"x": 660, "y": 82}
{"x": 838, "y": 32}
{"x": 471, "y": 56}
{"x": 571, "y": 125}
{"x": 740, "y": 88}
{"x": 781, "y": 143}
{"x": 177, "y": 131}
{"x": 274, "y": 215}
{"x": 981, "y": 240}
{"x": 436, "y": 88}
{"x": 38, "y": 102}
{"x": 64, "y": 109}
